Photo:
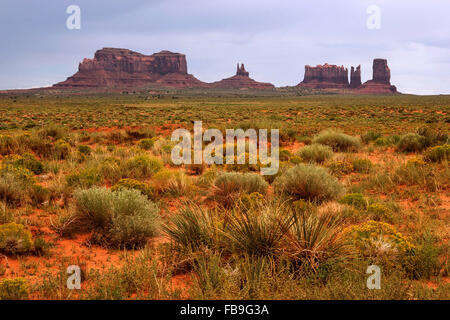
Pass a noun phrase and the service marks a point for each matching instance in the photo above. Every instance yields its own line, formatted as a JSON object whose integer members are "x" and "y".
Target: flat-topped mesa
{"x": 381, "y": 80}
{"x": 119, "y": 68}
{"x": 355, "y": 77}
{"x": 325, "y": 76}
{"x": 241, "y": 80}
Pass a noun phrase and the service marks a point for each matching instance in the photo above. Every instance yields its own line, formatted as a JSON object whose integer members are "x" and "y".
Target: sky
{"x": 275, "y": 39}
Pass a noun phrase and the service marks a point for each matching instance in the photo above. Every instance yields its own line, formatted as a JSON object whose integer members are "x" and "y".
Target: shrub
{"x": 308, "y": 182}
{"x": 27, "y": 161}
{"x": 316, "y": 153}
{"x": 192, "y": 228}
{"x": 84, "y": 150}
{"x": 143, "y": 166}
{"x": 61, "y": 150}
{"x": 362, "y": 165}
{"x": 437, "y": 154}
{"x": 229, "y": 186}
{"x": 411, "y": 142}
{"x": 85, "y": 178}
{"x": 251, "y": 200}
{"x": 134, "y": 220}
{"x": 54, "y": 131}
{"x": 381, "y": 142}
{"x": 14, "y": 183}
{"x": 337, "y": 140}
{"x": 370, "y": 136}
{"x": 175, "y": 183}
{"x": 120, "y": 219}
{"x": 284, "y": 155}
{"x": 39, "y": 194}
{"x": 146, "y": 144}
{"x": 355, "y": 199}
{"x": 8, "y": 145}
{"x": 416, "y": 172}
{"x": 340, "y": 168}
{"x": 14, "y": 289}
{"x": 379, "y": 212}
{"x": 15, "y": 239}
{"x": 380, "y": 242}
{"x": 143, "y": 187}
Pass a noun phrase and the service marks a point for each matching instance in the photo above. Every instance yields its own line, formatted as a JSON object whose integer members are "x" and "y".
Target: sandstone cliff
{"x": 381, "y": 80}
{"x": 355, "y": 77}
{"x": 122, "y": 68}
{"x": 325, "y": 76}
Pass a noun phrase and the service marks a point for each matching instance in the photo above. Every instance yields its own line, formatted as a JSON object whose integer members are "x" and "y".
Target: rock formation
{"x": 122, "y": 68}
{"x": 325, "y": 76}
{"x": 241, "y": 80}
{"x": 381, "y": 80}
{"x": 355, "y": 77}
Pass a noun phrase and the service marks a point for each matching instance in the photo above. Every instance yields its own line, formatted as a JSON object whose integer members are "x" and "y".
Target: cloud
{"x": 274, "y": 39}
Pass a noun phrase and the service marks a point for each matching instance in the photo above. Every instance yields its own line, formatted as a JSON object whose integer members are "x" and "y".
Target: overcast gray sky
{"x": 274, "y": 38}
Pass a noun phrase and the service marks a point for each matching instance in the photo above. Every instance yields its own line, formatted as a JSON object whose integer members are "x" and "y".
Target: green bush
{"x": 85, "y": 150}
{"x": 146, "y": 144}
{"x": 14, "y": 289}
{"x": 175, "y": 183}
{"x": 437, "y": 154}
{"x": 411, "y": 142}
{"x": 362, "y": 165}
{"x": 143, "y": 166}
{"x": 61, "y": 150}
{"x": 338, "y": 141}
{"x": 27, "y": 161}
{"x": 316, "y": 153}
{"x": 308, "y": 182}
{"x": 370, "y": 136}
{"x": 14, "y": 184}
{"x": 379, "y": 212}
{"x": 355, "y": 199}
{"x": 15, "y": 239}
{"x": 39, "y": 194}
{"x": 84, "y": 178}
{"x": 229, "y": 186}
{"x": 143, "y": 187}
{"x": 381, "y": 142}
{"x": 120, "y": 219}
{"x": 8, "y": 145}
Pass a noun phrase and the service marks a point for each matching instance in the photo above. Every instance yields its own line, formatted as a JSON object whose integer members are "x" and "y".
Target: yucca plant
{"x": 258, "y": 230}
{"x": 192, "y": 228}
{"x": 314, "y": 238}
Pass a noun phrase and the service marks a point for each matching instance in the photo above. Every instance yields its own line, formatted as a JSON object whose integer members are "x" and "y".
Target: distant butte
{"x": 334, "y": 77}
{"x": 123, "y": 68}
{"x": 241, "y": 80}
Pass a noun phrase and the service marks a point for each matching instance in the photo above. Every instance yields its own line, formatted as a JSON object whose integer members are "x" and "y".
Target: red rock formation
{"x": 325, "y": 76}
{"x": 122, "y": 68}
{"x": 355, "y": 77}
{"x": 381, "y": 80}
{"x": 241, "y": 80}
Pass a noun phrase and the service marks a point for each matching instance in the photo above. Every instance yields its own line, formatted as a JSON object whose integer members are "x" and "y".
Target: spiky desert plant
{"x": 258, "y": 230}
{"x": 315, "y": 238}
{"x": 192, "y": 228}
